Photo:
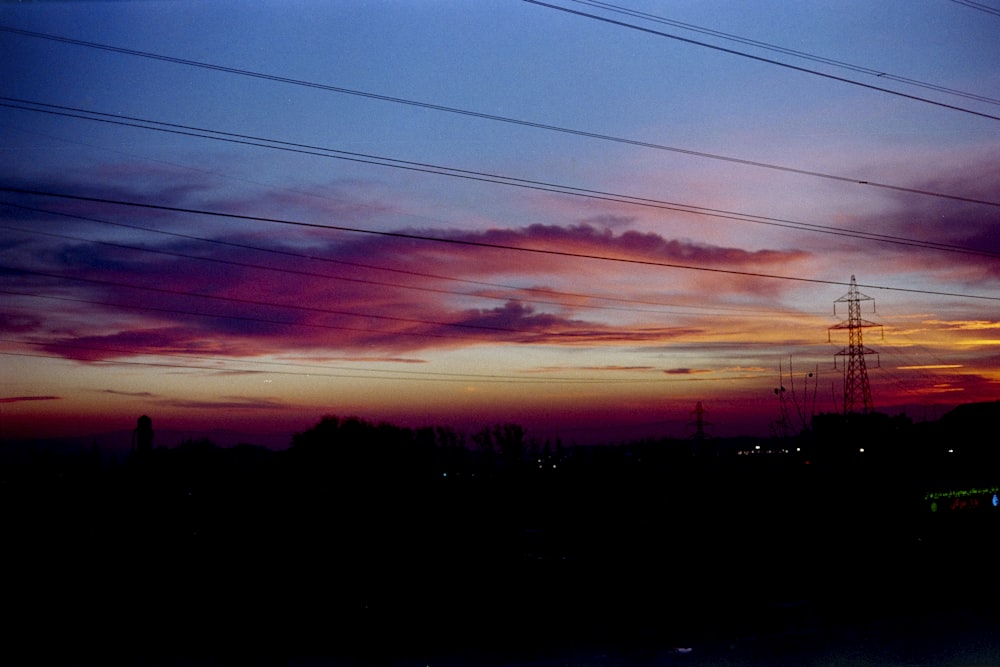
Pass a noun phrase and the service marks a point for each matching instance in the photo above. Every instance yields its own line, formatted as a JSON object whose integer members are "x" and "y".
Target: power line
{"x": 238, "y": 318}
{"x": 768, "y": 61}
{"x": 571, "y": 295}
{"x": 925, "y": 377}
{"x": 485, "y": 244}
{"x": 288, "y": 306}
{"x": 505, "y": 119}
{"x": 591, "y": 335}
{"x": 311, "y": 274}
{"x": 519, "y": 182}
{"x": 422, "y": 376}
{"x": 787, "y": 51}
{"x": 478, "y": 379}
{"x": 978, "y": 5}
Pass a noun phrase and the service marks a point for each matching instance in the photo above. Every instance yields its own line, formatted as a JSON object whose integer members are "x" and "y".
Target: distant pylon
{"x": 699, "y": 422}
{"x": 857, "y": 390}
{"x": 781, "y": 426}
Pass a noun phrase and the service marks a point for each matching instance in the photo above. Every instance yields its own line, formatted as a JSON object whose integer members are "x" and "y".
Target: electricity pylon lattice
{"x": 781, "y": 426}
{"x": 698, "y": 417}
{"x": 857, "y": 390}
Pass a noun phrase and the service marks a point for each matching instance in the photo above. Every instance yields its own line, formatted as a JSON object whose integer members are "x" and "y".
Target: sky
{"x": 583, "y": 217}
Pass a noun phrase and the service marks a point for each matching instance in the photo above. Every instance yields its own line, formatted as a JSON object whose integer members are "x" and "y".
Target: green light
{"x": 961, "y": 493}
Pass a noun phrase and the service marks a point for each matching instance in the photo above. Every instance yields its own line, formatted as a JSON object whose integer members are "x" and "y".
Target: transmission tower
{"x": 781, "y": 426}
{"x": 857, "y": 390}
{"x": 698, "y": 417}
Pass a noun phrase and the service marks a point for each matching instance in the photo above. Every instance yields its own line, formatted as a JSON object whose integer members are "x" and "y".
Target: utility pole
{"x": 805, "y": 409}
{"x": 857, "y": 390}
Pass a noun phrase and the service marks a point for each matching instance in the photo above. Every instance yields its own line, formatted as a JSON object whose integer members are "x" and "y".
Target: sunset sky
{"x": 579, "y": 216}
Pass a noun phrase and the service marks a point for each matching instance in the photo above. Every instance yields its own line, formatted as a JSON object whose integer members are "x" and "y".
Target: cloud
{"x": 130, "y": 342}
{"x": 611, "y": 221}
{"x": 228, "y": 372}
{"x": 687, "y": 371}
{"x": 973, "y": 387}
{"x": 964, "y": 325}
{"x": 239, "y": 326}
{"x": 229, "y": 292}
{"x": 229, "y": 403}
{"x": 355, "y": 200}
{"x": 361, "y": 359}
{"x": 612, "y": 368}
{"x": 19, "y": 399}
{"x": 634, "y": 246}
{"x": 617, "y": 368}
{"x": 16, "y": 323}
{"x": 940, "y": 220}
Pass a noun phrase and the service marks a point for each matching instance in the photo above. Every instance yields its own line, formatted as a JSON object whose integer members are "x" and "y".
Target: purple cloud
{"x": 19, "y": 399}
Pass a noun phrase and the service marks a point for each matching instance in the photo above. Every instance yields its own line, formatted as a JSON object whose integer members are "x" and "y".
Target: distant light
{"x": 798, "y": 449}
{"x": 996, "y": 501}
{"x": 757, "y": 447}
{"x": 951, "y": 451}
{"x": 444, "y": 474}
{"x": 862, "y": 450}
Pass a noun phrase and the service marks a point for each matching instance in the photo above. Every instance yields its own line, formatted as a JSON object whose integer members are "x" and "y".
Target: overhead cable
{"x": 466, "y": 174}
{"x": 978, "y": 5}
{"x": 674, "y": 308}
{"x": 494, "y": 117}
{"x": 486, "y": 244}
{"x": 274, "y": 368}
{"x": 288, "y": 306}
{"x": 787, "y": 51}
{"x": 477, "y": 379}
{"x": 769, "y": 61}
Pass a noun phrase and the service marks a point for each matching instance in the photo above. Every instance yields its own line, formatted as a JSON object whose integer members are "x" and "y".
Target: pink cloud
{"x": 374, "y": 298}
{"x": 354, "y": 293}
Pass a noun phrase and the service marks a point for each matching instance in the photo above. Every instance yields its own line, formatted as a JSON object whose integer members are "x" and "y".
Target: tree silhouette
{"x": 509, "y": 439}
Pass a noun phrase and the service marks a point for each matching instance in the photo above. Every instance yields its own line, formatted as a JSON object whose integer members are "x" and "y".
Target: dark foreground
{"x": 621, "y": 556}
